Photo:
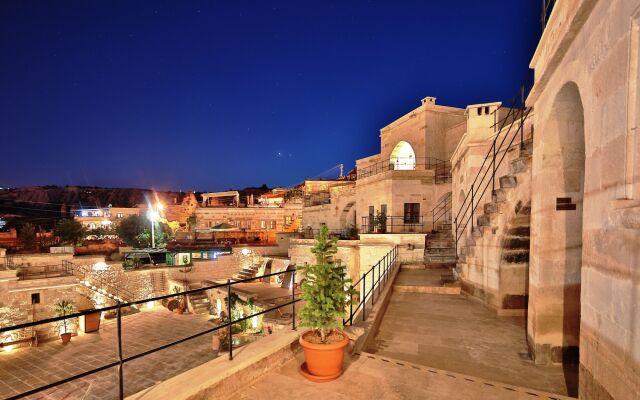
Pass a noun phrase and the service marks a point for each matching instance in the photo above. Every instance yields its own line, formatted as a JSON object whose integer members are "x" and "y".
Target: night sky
{"x": 212, "y": 95}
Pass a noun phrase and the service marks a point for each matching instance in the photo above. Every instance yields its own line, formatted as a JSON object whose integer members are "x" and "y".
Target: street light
{"x": 153, "y": 216}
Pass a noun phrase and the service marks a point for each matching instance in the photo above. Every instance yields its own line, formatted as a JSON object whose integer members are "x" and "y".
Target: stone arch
{"x": 348, "y": 215}
{"x": 403, "y": 157}
{"x": 556, "y": 254}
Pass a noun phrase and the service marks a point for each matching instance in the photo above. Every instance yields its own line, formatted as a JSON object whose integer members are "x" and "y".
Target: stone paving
{"x": 369, "y": 377}
{"x": 27, "y": 368}
{"x": 455, "y": 333}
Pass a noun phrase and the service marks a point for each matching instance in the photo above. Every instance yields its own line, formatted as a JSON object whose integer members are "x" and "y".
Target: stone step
{"x": 484, "y": 220}
{"x": 519, "y": 165}
{"x": 516, "y": 256}
{"x": 519, "y": 231}
{"x": 491, "y": 208}
{"x": 499, "y": 196}
{"x": 527, "y": 149}
{"x": 521, "y": 221}
{"x": 508, "y": 182}
{"x": 516, "y": 243}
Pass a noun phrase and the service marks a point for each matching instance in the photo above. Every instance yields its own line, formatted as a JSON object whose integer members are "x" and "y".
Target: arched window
{"x": 403, "y": 157}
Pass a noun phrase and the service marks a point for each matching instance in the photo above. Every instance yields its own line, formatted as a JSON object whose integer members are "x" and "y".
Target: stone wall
{"x": 584, "y": 280}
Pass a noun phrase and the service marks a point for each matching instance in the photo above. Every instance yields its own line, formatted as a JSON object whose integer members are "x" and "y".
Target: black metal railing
{"x": 317, "y": 198}
{"x": 505, "y": 136}
{"x": 442, "y": 168}
{"x": 44, "y": 271}
{"x": 441, "y": 213}
{"x": 545, "y": 12}
{"x": 341, "y": 234}
{"x": 409, "y": 223}
{"x": 121, "y": 361}
{"x": 379, "y": 275}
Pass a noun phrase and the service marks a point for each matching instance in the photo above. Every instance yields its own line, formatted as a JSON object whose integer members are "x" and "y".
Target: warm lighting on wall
{"x": 150, "y": 305}
{"x": 100, "y": 266}
{"x": 8, "y": 348}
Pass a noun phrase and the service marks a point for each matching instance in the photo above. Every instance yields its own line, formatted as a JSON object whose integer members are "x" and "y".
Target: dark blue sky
{"x": 211, "y": 95}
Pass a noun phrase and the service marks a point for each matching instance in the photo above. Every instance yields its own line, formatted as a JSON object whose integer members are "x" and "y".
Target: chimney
{"x": 429, "y": 100}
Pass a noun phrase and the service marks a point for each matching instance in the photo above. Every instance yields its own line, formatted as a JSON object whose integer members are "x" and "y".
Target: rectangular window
{"x": 35, "y": 298}
{"x": 411, "y": 213}
{"x": 263, "y": 224}
{"x": 120, "y": 215}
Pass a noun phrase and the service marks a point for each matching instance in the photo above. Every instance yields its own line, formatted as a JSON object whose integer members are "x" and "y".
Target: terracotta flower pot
{"x": 323, "y": 362}
{"x": 179, "y": 310}
{"x": 66, "y": 337}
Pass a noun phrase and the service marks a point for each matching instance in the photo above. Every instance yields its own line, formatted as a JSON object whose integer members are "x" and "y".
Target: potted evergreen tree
{"x": 323, "y": 290}
{"x": 62, "y": 309}
{"x": 380, "y": 222}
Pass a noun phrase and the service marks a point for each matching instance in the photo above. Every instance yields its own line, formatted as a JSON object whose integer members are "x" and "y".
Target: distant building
{"x": 92, "y": 218}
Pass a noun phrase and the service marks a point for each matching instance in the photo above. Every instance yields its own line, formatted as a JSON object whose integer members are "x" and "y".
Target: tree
{"x": 129, "y": 229}
{"x": 135, "y": 231}
{"x": 323, "y": 288}
{"x": 69, "y": 231}
{"x": 27, "y": 235}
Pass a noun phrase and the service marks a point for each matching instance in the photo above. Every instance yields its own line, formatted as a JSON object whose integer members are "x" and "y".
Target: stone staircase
{"x": 246, "y": 273}
{"x": 440, "y": 246}
{"x": 200, "y": 303}
{"x": 516, "y": 238}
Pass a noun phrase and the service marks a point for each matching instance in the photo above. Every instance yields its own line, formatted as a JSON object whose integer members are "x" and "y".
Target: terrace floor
{"x": 26, "y": 368}
{"x": 456, "y": 333}
{"x": 371, "y": 377}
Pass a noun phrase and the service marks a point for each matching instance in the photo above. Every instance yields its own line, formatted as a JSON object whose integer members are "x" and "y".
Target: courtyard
{"x": 27, "y": 368}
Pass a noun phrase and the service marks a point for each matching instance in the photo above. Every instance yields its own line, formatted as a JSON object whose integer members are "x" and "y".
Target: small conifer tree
{"x": 323, "y": 288}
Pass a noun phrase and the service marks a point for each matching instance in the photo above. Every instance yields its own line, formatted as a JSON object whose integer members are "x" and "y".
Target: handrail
{"x": 384, "y": 267}
{"x": 442, "y": 168}
{"x": 409, "y": 223}
{"x": 466, "y": 210}
{"x": 545, "y": 13}
{"x": 441, "y": 211}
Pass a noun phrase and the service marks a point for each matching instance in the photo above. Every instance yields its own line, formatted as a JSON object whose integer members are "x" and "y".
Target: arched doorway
{"x": 403, "y": 157}
{"x": 556, "y": 231}
{"x": 348, "y": 216}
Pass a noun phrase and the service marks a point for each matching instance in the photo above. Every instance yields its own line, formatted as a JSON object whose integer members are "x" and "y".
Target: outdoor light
{"x": 153, "y": 216}
{"x": 245, "y": 252}
{"x": 150, "y": 305}
{"x": 100, "y": 266}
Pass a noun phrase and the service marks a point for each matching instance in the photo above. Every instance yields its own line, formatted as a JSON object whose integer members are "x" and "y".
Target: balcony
{"x": 396, "y": 224}
{"x": 441, "y": 168}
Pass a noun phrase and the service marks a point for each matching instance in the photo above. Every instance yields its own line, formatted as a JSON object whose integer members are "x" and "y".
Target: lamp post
{"x": 154, "y": 215}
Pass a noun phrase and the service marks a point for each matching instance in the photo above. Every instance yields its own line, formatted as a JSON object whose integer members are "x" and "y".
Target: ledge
{"x": 220, "y": 378}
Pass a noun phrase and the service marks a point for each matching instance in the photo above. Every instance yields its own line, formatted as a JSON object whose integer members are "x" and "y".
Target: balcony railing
{"x": 45, "y": 271}
{"x": 317, "y": 198}
{"x": 441, "y": 168}
{"x": 409, "y": 223}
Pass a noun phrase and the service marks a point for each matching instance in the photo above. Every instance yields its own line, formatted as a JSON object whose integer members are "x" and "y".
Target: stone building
{"x": 556, "y": 239}
{"x": 245, "y": 222}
